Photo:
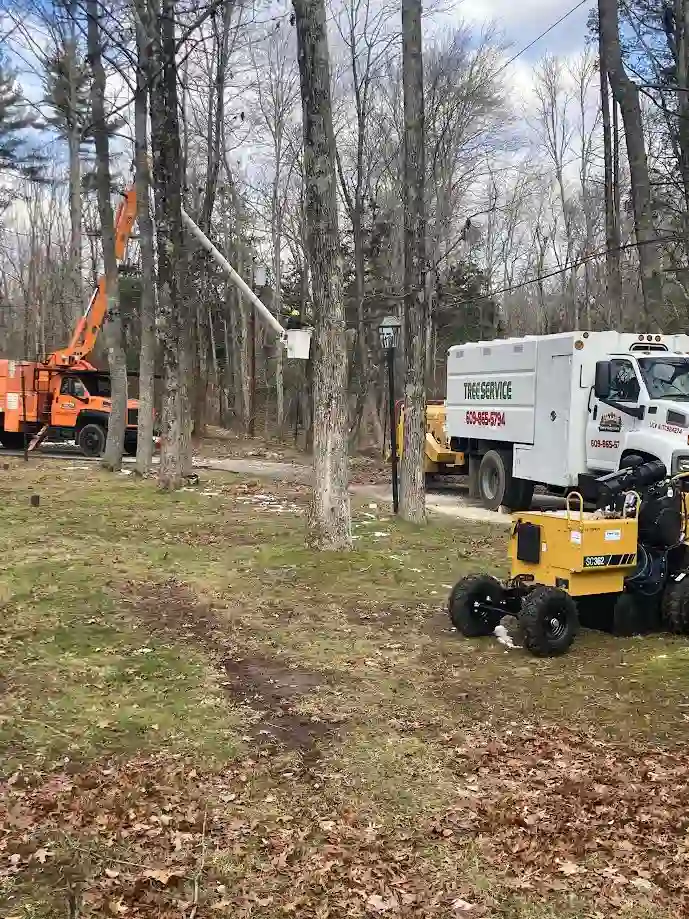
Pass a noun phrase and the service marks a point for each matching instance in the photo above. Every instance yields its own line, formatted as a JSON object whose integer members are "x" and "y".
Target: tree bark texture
{"x": 626, "y": 94}
{"x": 612, "y": 228}
{"x": 412, "y": 477}
{"x": 167, "y": 181}
{"x": 144, "y": 447}
{"x": 329, "y": 516}
{"x": 74, "y": 139}
{"x": 117, "y": 359}
{"x": 680, "y": 53}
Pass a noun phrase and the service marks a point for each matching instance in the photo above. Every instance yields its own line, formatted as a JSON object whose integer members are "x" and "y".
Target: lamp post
{"x": 389, "y": 331}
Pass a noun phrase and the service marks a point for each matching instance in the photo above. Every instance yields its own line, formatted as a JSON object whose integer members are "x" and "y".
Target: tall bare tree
{"x": 626, "y": 94}
{"x": 117, "y": 358}
{"x": 175, "y": 458}
{"x": 277, "y": 89}
{"x": 412, "y": 492}
{"x": 67, "y": 96}
{"x": 329, "y": 516}
{"x": 611, "y": 179}
{"x": 364, "y": 29}
{"x": 144, "y": 447}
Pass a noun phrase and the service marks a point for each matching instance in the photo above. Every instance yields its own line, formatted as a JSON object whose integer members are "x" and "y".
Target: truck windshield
{"x": 666, "y": 377}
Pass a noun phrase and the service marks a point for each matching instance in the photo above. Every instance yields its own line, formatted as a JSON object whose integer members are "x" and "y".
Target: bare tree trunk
{"x": 240, "y": 338}
{"x": 626, "y": 93}
{"x": 75, "y": 191}
{"x": 612, "y": 229}
{"x": 167, "y": 180}
{"x": 117, "y": 358}
{"x": 680, "y": 52}
{"x": 144, "y": 446}
{"x": 412, "y": 478}
{"x": 228, "y": 381}
{"x": 329, "y": 517}
{"x": 200, "y": 377}
{"x": 276, "y": 227}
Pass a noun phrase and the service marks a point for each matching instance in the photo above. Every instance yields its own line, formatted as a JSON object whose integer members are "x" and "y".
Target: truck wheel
{"x": 494, "y": 478}
{"x": 464, "y": 605}
{"x": 497, "y": 486}
{"x": 130, "y": 447}
{"x": 549, "y": 621}
{"x": 676, "y": 606}
{"x": 519, "y": 495}
{"x": 12, "y": 440}
{"x": 91, "y": 439}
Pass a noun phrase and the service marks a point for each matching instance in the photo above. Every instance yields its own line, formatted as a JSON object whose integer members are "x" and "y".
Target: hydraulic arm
{"x": 86, "y": 332}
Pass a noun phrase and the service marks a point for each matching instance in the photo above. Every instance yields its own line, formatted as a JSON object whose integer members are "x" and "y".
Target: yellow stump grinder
{"x": 622, "y": 566}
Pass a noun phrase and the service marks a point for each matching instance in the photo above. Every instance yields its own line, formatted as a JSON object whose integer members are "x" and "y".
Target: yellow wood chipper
{"x": 439, "y": 459}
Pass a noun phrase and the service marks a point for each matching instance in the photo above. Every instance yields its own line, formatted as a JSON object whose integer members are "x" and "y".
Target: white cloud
{"x": 522, "y": 20}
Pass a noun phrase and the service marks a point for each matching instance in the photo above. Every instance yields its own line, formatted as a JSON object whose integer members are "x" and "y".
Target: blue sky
{"x": 522, "y": 20}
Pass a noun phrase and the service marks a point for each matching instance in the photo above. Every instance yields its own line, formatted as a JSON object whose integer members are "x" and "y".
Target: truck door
{"x": 70, "y": 399}
{"x": 556, "y": 400}
{"x": 608, "y": 427}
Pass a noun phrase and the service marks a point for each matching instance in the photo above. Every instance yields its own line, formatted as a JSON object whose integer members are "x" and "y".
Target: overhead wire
{"x": 673, "y": 237}
{"x": 543, "y": 34}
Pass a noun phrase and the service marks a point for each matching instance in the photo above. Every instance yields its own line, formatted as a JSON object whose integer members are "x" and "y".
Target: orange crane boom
{"x": 86, "y": 332}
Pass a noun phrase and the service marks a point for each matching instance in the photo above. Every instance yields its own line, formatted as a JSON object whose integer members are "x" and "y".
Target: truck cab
{"x": 81, "y": 408}
{"x": 639, "y": 406}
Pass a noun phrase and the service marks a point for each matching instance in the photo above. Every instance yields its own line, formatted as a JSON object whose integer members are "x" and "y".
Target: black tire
{"x": 465, "y": 617}
{"x": 12, "y": 440}
{"x": 549, "y": 621}
{"x": 91, "y": 439}
{"x": 519, "y": 495}
{"x": 497, "y": 487}
{"x": 676, "y": 606}
{"x": 474, "y": 463}
{"x": 130, "y": 447}
{"x": 628, "y": 615}
{"x": 678, "y": 559}
{"x": 494, "y": 479}
{"x": 631, "y": 459}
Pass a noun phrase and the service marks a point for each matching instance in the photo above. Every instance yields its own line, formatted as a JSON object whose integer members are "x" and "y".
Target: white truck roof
{"x": 612, "y": 340}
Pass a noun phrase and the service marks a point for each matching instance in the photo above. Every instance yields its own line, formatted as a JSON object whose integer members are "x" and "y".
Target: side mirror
{"x": 601, "y": 386}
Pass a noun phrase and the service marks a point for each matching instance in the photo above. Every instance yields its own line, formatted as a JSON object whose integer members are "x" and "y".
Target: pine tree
{"x": 67, "y": 92}
{"x": 16, "y": 153}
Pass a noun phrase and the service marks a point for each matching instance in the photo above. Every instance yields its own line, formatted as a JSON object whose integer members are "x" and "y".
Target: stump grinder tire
{"x": 92, "y": 439}
{"x": 463, "y": 605}
{"x": 629, "y": 616}
{"x": 676, "y": 606}
{"x": 549, "y": 621}
{"x": 497, "y": 487}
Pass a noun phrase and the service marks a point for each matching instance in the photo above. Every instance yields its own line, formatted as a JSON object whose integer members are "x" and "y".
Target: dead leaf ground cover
{"x": 199, "y": 717}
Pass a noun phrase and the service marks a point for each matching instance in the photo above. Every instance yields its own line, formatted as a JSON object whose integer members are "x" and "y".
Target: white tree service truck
{"x": 547, "y": 409}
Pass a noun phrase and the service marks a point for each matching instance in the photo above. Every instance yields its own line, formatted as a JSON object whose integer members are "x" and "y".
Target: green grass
{"x": 184, "y": 685}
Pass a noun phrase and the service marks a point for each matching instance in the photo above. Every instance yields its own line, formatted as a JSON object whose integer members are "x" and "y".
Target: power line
{"x": 556, "y": 272}
{"x": 542, "y": 35}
